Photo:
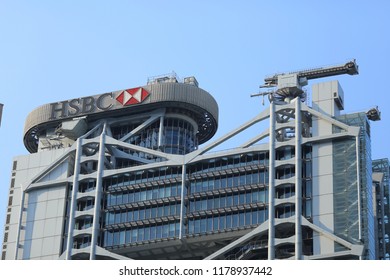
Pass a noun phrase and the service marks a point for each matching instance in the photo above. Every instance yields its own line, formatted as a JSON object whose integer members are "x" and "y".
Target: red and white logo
{"x": 132, "y": 96}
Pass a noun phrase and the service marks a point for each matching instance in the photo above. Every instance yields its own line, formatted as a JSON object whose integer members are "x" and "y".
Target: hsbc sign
{"x": 132, "y": 96}
{"x": 97, "y": 103}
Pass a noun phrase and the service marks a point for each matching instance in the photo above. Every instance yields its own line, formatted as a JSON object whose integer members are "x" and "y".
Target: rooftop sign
{"x": 92, "y": 104}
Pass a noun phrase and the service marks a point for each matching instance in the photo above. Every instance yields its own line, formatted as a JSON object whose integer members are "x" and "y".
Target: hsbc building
{"x": 124, "y": 175}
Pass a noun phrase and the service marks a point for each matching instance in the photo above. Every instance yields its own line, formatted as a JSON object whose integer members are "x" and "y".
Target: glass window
{"x": 174, "y": 190}
{"x": 255, "y": 178}
{"x": 262, "y": 179}
{"x": 215, "y": 223}
{"x": 222, "y": 224}
{"x": 248, "y": 197}
{"x": 116, "y": 238}
{"x": 308, "y": 188}
{"x": 123, "y": 217}
{"x": 153, "y": 212}
{"x": 130, "y": 216}
{"x": 308, "y": 208}
{"x": 128, "y": 236}
{"x": 111, "y": 199}
{"x": 147, "y": 213}
{"x": 122, "y": 237}
{"x": 203, "y": 204}
{"x": 111, "y": 218}
{"x": 155, "y": 193}
{"x": 222, "y": 201}
{"x": 210, "y": 203}
{"x": 236, "y": 180}
{"x": 141, "y": 232}
{"x": 171, "y": 230}
{"x": 242, "y": 198}
{"x": 223, "y": 182}
{"x": 161, "y": 192}
{"x": 204, "y": 185}
{"x": 234, "y": 220}
{"x": 261, "y": 196}
{"x": 134, "y": 235}
{"x": 136, "y": 215}
{"x": 228, "y": 221}
{"x": 261, "y": 216}
{"x": 209, "y": 224}
{"x": 242, "y": 179}
{"x": 143, "y": 196}
{"x": 172, "y": 209}
{"x": 198, "y": 186}
{"x": 203, "y": 225}
{"x": 211, "y": 184}
{"x": 152, "y": 232}
{"x": 216, "y": 202}
{"x": 179, "y": 190}
{"x": 197, "y": 226}
{"x": 235, "y": 199}
{"x": 159, "y": 211}
{"x": 178, "y": 209}
{"x": 131, "y": 197}
{"x": 159, "y": 231}
{"x": 248, "y": 218}
{"x": 241, "y": 219}
{"x": 125, "y": 198}
{"x": 177, "y": 229}
{"x": 254, "y": 217}
{"x": 217, "y": 183}
{"x": 142, "y": 214}
{"x": 248, "y": 178}
{"x": 109, "y": 239}
{"x": 229, "y": 200}
{"x": 230, "y": 181}
{"x": 117, "y": 218}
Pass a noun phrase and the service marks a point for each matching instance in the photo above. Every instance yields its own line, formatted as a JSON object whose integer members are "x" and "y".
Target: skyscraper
{"x": 121, "y": 176}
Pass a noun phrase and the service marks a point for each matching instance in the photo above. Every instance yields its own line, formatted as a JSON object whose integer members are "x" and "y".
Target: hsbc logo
{"x": 93, "y": 104}
{"x": 132, "y": 96}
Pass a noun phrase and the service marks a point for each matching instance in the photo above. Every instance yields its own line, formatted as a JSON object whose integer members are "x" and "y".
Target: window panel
{"x": 203, "y": 225}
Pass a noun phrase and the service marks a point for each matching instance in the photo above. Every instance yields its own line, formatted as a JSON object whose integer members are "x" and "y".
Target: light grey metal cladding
{"x": 168, "y": 95}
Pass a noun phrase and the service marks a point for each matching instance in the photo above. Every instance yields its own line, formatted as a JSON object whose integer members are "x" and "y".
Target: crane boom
{"x": 350, "y": 68}
{"x": 289, "y": 85}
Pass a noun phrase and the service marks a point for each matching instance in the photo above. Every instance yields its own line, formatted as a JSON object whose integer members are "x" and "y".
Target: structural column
{"x": 182, "y": 198}
{"x": 75, "y": 189}
{"x": 271, "y": 184}
{"x": 19, "y": 221}
{"x": 161, "y": 131}
{"x": 298, "y": 179}
{"x": 98, "y": 192}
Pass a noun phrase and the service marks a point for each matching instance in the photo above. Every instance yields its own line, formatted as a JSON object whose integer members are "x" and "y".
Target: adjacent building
{"x": 381, "y": 170}
{"x": 124, "y": 175}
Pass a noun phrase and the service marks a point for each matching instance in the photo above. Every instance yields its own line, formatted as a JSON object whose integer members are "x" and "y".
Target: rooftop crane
{"x": 289, "y": 85}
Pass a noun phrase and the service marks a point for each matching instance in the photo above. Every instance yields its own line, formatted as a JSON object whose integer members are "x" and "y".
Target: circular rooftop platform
{"x": 178, "y": 97}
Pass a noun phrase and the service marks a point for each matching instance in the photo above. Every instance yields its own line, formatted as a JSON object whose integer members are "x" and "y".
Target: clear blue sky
{"x": 58, "y": 50}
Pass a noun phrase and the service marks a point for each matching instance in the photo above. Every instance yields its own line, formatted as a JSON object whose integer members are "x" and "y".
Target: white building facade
{"x": 121, "y": 176}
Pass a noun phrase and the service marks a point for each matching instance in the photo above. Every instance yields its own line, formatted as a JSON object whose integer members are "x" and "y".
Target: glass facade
{"x": 383, "y": 166}
{"x": 346, "y": 221}
{"x": 138, "y": 180}
{"x": 177, "y": 137}
{"x": 220, "y": 194}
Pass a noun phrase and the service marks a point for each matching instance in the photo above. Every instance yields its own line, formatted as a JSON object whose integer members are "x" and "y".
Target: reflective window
{"x": 227, "y": 221}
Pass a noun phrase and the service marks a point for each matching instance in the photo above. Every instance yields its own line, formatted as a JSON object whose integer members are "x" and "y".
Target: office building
{"x": 122, "y": 175}
{"x": 381, "y": 170}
